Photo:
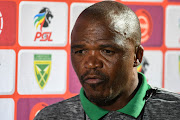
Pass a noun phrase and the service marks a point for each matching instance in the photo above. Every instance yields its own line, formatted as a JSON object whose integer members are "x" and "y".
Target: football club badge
{"x": 143, "y": 66}
{"x": 1, "y": 22}
{"x": 42, "y": 20}
{"x": 145, "y": 23}
{"x": 42, "y": 67}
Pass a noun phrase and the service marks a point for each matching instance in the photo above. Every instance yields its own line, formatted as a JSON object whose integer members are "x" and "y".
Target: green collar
{"x": 133, "y": 108}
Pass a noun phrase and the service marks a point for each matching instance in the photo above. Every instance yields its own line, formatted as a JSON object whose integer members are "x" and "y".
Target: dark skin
{"x": 105, "y": 64}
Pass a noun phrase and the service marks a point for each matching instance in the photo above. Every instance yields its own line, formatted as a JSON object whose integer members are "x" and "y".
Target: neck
{"x": 123, "y": 99}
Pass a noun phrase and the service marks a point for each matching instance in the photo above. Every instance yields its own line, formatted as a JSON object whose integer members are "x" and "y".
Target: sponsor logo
{"x": 143, "y": 66}
{"x": 1, "y": 22}
{"x": 145, "y": 23}
{"x": 42, "y": 67}
{"x": 43, "y": 20}
{"x": 8, "y": 23}
{"x": 36, "y": 108}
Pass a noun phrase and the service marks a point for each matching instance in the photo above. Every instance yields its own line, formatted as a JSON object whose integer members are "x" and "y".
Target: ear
{"x": 138, "y": 55}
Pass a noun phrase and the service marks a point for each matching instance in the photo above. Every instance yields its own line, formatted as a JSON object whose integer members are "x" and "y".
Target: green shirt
{"x": 133, "y": 108}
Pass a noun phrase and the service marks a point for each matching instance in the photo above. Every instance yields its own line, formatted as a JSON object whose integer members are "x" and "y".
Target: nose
{"x": 93, "y": 61}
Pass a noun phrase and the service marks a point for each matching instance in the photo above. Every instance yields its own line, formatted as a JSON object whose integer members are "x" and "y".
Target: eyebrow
{"x": 107, "y": 45}
{"x": 110, "y": 46}
{"x": 100, "y": 46}
{"x": 77, "y": 46}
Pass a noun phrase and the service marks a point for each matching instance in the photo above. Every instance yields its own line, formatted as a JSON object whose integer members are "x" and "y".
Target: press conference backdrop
{"x": 35, "y": 67}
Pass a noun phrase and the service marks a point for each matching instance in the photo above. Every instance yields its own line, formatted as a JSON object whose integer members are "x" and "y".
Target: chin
{"x": 102, "y": 100}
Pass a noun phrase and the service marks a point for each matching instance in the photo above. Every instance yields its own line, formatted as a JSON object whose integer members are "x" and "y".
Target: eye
{"x": 80, "y": 51}
{"x": 108, "y": 52}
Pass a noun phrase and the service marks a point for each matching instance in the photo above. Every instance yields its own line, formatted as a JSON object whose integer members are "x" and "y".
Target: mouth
{"x": 93, "y": 80}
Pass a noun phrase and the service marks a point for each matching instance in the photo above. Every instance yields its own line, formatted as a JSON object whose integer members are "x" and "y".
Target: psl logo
{"x": 143, "y": 66}
{"x": 42, "y": 67}
{"x": 1, "y": 22}
{"x": 145, "y": 23}
{"x": 35, "y": 110}
{"x": 43, "y": 19}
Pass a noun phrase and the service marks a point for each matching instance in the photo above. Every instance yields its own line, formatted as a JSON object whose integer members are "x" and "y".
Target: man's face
{"x": 102, "y": 60}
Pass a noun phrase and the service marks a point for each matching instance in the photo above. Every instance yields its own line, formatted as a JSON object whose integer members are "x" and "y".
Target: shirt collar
{"x": 133, "y": 108}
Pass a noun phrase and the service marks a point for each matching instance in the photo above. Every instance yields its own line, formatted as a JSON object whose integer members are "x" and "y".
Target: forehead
{"x": 94, "y": 31}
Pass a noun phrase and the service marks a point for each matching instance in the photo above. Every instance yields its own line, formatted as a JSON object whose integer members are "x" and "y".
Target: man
{"x": 105, "y": 51}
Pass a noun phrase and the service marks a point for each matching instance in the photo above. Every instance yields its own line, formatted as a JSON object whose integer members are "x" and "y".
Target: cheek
{"x": 76, "y": 65}
{"x": 114, "y": 70}
{"x": 120, "y": 69}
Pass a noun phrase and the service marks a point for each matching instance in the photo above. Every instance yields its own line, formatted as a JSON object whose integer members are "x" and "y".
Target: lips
{"x": 93, "y": 79}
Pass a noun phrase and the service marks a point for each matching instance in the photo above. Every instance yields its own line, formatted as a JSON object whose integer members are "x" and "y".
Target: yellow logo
{"x": 42, "y": 67}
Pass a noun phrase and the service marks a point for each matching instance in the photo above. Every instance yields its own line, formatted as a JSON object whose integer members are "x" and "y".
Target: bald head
{"x": 118, "y": 18}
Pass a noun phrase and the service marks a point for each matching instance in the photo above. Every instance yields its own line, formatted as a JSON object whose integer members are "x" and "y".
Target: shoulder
{"x": 164, "y": 96}
{"x": 61, "y": 110}
{"x": 163, "y": 104}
